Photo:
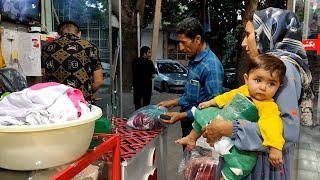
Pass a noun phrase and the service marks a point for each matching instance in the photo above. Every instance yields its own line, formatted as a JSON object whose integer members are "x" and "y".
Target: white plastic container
{"x": 44, "y": 146}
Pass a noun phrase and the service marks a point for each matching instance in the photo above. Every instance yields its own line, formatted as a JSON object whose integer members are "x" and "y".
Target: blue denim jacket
{"x": 204, "y": 80}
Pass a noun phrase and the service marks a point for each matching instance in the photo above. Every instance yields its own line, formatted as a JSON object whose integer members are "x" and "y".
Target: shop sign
{"x": 312, "y": 44}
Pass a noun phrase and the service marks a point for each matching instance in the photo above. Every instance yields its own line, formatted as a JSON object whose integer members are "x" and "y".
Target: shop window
{"x": 308, "y": 12}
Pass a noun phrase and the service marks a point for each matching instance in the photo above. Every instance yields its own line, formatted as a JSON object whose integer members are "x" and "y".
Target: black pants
{"x": 141, "y": 97}
{"x": 186, "y": 126}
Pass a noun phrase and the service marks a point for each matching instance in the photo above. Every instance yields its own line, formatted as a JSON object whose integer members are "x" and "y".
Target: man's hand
{"x": 275, "y": 157}
{"x": 175, "y": 116}
{"x": 169, "y": 104}
{"x": 216, "y": 129}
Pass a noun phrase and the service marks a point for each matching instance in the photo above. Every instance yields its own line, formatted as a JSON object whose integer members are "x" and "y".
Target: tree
{"x": 253, "y": 5}
{"x": 129, "y": 29}
{"x": 243, "y": 59}
{"x": 223, "y": 18}
{"x": 129, "y": 36}
{"x": 272, "y": 3}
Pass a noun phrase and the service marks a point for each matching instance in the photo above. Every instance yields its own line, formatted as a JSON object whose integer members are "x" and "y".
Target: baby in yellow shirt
{"x": 262, "y": 80}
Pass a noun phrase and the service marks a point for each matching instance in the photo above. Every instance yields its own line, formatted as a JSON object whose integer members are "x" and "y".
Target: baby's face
{"x": 262, "y": 84}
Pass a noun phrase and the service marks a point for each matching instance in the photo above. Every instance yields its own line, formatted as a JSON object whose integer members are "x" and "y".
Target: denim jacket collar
{"x": 203, "y": 54}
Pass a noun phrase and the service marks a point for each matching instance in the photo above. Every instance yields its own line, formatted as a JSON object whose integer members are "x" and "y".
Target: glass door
{"x": 94, "y": 19}
{"x": 308, "y": 12}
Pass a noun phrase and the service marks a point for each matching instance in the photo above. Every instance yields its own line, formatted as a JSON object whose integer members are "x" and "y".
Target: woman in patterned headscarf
{"x": 273, "y": 31}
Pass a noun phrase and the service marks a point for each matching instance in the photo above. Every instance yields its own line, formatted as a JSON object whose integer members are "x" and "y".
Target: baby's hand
{"x": 186, "y": 141}
{"x": 275, "y": 157}
{"x": 204, "y": 105}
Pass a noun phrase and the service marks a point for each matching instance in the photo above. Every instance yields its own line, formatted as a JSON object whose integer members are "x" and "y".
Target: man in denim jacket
{"x": 205, "y": 74}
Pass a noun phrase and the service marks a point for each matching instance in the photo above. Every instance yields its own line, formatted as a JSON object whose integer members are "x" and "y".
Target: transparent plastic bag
{"x": 46, "y": 173}
{"x": 198, "y": 164}
{"x": 147, "y": 117}
{"x": 238, "y": 164}
{"x": 91, "y": 172}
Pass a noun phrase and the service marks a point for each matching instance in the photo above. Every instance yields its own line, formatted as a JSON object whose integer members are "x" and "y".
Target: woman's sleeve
{"x": 246, "y": 135}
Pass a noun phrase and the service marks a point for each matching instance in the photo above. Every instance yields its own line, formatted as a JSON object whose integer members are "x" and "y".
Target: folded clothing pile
{"x": 43, "y": 103}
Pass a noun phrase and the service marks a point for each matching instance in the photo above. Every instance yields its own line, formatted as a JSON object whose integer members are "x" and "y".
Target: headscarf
{"x": 278, "y": 32}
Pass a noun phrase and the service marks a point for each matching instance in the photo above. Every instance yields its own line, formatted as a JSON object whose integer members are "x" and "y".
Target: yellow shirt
{"x": 270, "y": 122}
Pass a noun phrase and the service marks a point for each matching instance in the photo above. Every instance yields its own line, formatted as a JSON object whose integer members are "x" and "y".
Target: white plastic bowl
{"x": 44, "y": 146}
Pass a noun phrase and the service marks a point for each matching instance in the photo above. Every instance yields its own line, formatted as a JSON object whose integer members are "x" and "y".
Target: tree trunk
{"x": 129, "y": 42}
{"x": 243, "y": 60}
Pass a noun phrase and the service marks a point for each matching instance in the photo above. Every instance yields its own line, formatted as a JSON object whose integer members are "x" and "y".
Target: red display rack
{"x": 111, "y": 144}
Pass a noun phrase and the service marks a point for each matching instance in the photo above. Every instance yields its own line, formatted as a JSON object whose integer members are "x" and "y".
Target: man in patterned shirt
{"x": 205, "y": 74}
{"x": 72, "y": 61}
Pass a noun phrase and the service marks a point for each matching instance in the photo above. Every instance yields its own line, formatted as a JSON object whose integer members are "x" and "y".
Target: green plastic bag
{"x": 244, "y": 160}
{"x": 240, "y": 107}
{"x": 203, "y": 117}
{"x": 102, "y": 125}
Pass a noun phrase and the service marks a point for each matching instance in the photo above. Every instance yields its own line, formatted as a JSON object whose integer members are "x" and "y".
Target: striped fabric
{"x": 278, "y": 32}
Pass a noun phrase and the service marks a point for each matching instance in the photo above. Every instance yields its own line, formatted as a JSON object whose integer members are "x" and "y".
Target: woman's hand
{"x": 216, "y": 129}
{"x": 175, "y": 116}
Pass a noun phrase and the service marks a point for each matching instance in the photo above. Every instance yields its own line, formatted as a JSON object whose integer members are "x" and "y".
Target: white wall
{"x": 146, "y": 40}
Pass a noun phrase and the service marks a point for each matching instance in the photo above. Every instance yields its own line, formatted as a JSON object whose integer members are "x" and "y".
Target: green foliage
{"x": 224, "y": 38}
{"x": 173, "y": 11}
{"x": 225, "y": 35}
{"x": 229, "y": 47}
{"x": 282, "y": 4}
{"x": 82, "y": 11}
{"x": 300, "y": 10}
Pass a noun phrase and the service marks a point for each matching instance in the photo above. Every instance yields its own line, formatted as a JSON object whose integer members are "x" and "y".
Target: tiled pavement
{"x": 307, "y": 154}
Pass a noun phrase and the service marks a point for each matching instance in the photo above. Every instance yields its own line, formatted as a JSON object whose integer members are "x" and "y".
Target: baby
{"x": 262, "y": 80}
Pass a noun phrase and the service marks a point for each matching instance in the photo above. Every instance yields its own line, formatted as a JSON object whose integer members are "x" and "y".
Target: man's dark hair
{"x": 190, "y": 27}
{"x": 67, "y": 27}
{"x": 143, "y": 50}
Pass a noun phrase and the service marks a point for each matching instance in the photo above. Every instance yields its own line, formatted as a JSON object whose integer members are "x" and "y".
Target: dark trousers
{"x": 141, "y": 97}
{"x": 186, "y": 126}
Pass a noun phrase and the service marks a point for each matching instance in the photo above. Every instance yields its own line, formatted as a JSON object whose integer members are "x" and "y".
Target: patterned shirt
{"x": 204, "y": 80}
{"x": 70, "y": 60}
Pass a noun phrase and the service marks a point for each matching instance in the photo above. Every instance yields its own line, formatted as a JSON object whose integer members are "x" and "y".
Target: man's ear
{"x": 198, "y": 39}
{"x": 245, "y": 77}
{"x": 79, "y": 34}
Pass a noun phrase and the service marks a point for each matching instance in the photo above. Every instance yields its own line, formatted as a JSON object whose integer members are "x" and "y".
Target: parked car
{"x": 171, "y": 75}
{"x": 229, "y": 78}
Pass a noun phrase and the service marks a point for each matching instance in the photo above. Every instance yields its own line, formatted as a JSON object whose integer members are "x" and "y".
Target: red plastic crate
{"x": 111, "y": 144}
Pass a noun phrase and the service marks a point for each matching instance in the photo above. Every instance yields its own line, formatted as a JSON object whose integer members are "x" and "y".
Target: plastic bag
{"x": 147, "y": 117}
{"x": 198, "y": 164}
{"x": 238, "y": 164}
{"x": 91, "y": 172}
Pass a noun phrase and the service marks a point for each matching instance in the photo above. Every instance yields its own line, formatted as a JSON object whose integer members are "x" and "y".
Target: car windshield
{"x": 171, "y": 68}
